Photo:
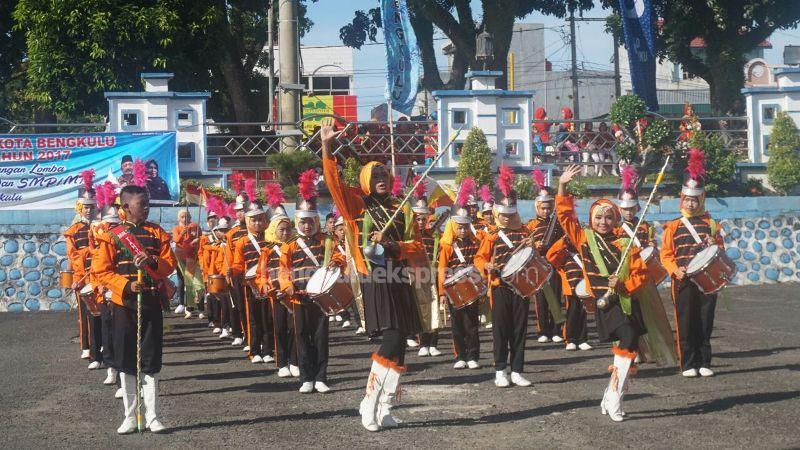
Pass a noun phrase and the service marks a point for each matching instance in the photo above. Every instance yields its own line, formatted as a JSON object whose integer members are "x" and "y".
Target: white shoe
{"x": 86, "y": 354}
{"x": 321, "y": 387}
{"x": 558, "y": 339}
{"x": 585, "y": 346}
{"x": 571, "y": 347}
{"x": 423, "y": 351}
{"x": 434, "y": 351}
{"x": 330, "y": 319}
{"x": 237, "y": 341}
{"x": 155, "y": 426}
{"x": 188, "y": 315}
{"x": 338, "y": 318}
{"x": 412, "y": 343}
{"x": 294, "y": 370}
{"x": 217, "y": 331}
{"x": 111, "y": 377}
{"x": 224, "y": 334}
{"x": 488, "y": 326}
{"x": 345, "y": 324}
{"x": 706, "y": 372}
{"x": 246, "y": 348}
{"x": 472, "y": 364}
{"x": 201, "y": 316}
{"x": 127, "y": 427}
{"x": 543, "y": 339}
{"x": 268, "y": 358}
{"x": 284, "y": 372}
{"x": 637, "y": 360}
{"x": 459, "y": 364}
{"x": 180, "y": 309}
{"x": 361, "y": 331}
{"x": 119, "y": 393}
{"x": 307, "y": 388}
{"x": 501, "y": 379}
{"x": 94, "y": 365}
{"x": 256, "y": 359}
{"x": 519, "y": 380}
{"x": 690, "y": 373}
{"x": 211, "y": 325}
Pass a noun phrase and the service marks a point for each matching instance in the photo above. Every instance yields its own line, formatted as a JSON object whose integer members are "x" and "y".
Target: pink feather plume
{"x": 236, "y": 182}
{"x": 467, "y": 189}
{"x": 397, "y": 187}
{"x": 250, "y": 189}
{"x": 307, "y": 185}
{"x": 419, "y": 191}
{"x": 274, "y": 194}
{"x": 105, "y": 194}
{"x": 139, "y": 173}
{"x": 629, "y": 177}
{"x": 88, "y": 179}
{"x": 505, "y": 179}
{"x": 215, "y": 205}
{"x": 539, "y": 178}
{"x": 230, "y": 211}
{"x": 697, "y": 164}
{"x": 486, "y": 194}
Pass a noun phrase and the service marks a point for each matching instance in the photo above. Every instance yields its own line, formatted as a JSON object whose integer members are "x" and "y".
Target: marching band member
{"x": 430, "y": 241}
{"x": 206, "y": 238}
{"x": 509, "y": 309}
{"x": 389, "y": 303}
{"x": 145, "y": 248}
{"x": 608, "y": 279}
{"x": 457, "y": 250}
{"x": 683, "y": 239}
{"x": 487, "y": 203}
{"x": 565, "y": 260}
{"x": 214, "y": 253}
{"x": 235, "y": 312}
{"x": 186, "y": 236}
{"x": 546, "y": 230}
{"x": 300, "y": 258}
{"x": 79, "y": 257}
{"x": 278, "y": 233}
{"x": 339, "y": 241}
{"x": 246, "y": 253}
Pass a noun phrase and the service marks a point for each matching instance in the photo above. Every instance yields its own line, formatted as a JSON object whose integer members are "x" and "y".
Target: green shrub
{"x": 525, "y": 187}
{"x": 783, "y": 168}
{"x": 476, "y": 159}
{"x": 351, "y": 172}
{"x": 626, "y": 110}
{"x": 657, "y": 133}
{"x": 290, "y": 165}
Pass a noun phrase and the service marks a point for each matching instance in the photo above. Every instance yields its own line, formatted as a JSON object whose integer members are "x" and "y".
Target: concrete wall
{"x": 762, "y": 236}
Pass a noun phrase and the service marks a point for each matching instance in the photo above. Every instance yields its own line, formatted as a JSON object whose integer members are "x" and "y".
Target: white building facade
{"x": 763, "y": 103}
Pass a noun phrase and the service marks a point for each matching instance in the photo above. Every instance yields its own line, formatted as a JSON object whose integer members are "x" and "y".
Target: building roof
{"x": 699, "y": 42}
{"x": 144, "y": 95}
{"x": 156, "y": 75}
{"x": 482, "y": 93}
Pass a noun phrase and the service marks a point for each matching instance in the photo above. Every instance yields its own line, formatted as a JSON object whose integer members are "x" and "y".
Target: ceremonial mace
{"x": 139, "y": 421}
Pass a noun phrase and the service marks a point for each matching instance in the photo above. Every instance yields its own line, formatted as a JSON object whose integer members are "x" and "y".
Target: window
{"x": 457, "y": 148}
{"x": 131, "y": 119}
{"x": 184, "y": 118}
{"x": 340, "y": 83}
{"x": 768, "y": 113}
{"x": 765, "y": 144}
{"x": 459, "y": 117}
{"x": 510, "y": 117}
{"x": 322, "y": 83}
{"x": 186, "y": 151}
{"x": 513, "y": 149}
{"x": 327, "y": 85}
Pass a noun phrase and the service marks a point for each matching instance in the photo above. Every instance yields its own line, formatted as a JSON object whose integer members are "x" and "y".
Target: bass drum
{"x": 526, "y": 271}
{"x": 328, "y": 290}
{"x": 464, "y": 287}
{"x": 711, "y": 269}
{"x": 655, "y": 270}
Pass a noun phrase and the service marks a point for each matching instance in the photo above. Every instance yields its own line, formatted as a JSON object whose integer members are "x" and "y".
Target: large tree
{"x": 730, "y": 29}
{"x": 456, "y": 19}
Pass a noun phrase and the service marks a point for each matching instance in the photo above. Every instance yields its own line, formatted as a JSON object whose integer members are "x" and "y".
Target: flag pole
{"x": 391, "y": 135}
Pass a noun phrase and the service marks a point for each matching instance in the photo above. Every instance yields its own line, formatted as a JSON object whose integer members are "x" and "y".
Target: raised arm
{"x": 349, "y": 204}
{"x": 565, "y": 207}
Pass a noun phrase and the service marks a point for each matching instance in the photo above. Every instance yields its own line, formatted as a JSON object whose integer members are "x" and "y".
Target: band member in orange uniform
{"x": 116, "y": 269}
{"x": 214, "y": 255}
{"x": 565, "y": 260}
{"x": 428, "y": 341}
{"x": 236, "y": 312}
{"x": 600, "y": 249}
{"x": 186, "y": 236}
{"x": 206, "y": 239}
{"x": 683, "y": 239}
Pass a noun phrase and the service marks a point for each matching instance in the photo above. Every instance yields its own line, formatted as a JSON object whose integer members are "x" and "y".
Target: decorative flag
{"x": 637, "y": 22}
{"x": 194, "y": 194}
{"x": 402, "y": 56}
{"x": 437, "y": 194}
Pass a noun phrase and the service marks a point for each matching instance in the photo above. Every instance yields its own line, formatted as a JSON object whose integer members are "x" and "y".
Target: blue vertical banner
{"x": 402, "y": 56}
{"x": 637, "y": 21}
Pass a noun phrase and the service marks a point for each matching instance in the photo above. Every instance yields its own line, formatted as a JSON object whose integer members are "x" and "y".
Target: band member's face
{"x": 421, "y": 220}
{"x": 307, "y": 226}
{"x": 220, "y": 234}
{"x": 603, "y": 220}
{"x": 212, "y": 222}
{"x": 257, "y": 224}
{"x": 184, "y": 218}
{"x": 629, "y": 214}
{"x": 284, "y": 231}
{"x": 127, "y": 168}
{"x": 240, "y": 215}
{"x": 690, "y": 204}
{"x": 488, "y": 217}
{"x": 379, "y": 182}
{"x": 339, "y": 232}
{"x": 544, "y": 209}
{"x": 505, "y": 219}
{"x": 462, "y": 230}
{"x": 136, "y": 207}
{"x": 329, "y": 224}
{"x": 473, "y": 212}
{"x": 87, "y": 212}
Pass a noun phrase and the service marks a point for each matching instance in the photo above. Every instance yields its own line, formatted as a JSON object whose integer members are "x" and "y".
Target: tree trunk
{"x": 431, "y": 79}
{"x": 501, "y": 25}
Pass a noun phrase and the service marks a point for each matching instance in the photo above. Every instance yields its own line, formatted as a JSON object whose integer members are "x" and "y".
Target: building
{"x": 764, "y": 98}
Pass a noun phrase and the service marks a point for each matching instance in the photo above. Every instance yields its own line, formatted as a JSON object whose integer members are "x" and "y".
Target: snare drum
{"x": 583, "y": 294}
{"x": 250, "y": 280}
{"x": 655, "y": 270}
{"x": 526, "y": 271}
{"x": 711, "y": 269}
{"x": 66, "y": 278}
{"x": 217, "y": 284}
{"x": 88, "y": 298}
{"x": 464, "y": 287}
{"x": 330, "y": 291}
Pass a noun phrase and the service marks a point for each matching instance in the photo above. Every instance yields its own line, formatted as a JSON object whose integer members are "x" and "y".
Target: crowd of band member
{"x": 248, "y": 276}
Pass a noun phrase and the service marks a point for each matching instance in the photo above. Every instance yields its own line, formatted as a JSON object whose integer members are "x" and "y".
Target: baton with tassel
{"x": 139, "y": 419}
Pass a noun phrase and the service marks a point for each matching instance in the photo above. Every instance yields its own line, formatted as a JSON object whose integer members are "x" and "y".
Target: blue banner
{"x": 637, "y": 21}
{"x": 402, "y": 56}
{"x": 43, "y": 171}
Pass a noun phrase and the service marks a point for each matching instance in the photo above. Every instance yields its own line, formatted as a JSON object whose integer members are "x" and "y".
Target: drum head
{"x": 516, "y": 261}
{"x": 215, "y": 277}
{"x": 702, "y": 259}
{"x": 647, "y": 253}
{"x": 322, "y": 280}
{"x": 87, "y": 289}
{"x": 251, "y": 272}
{"x": 460, "y": 273}
{"x": 580, "y": 289}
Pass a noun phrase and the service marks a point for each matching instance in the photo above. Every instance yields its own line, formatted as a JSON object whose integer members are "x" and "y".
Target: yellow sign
{"x": 313, "y": 105}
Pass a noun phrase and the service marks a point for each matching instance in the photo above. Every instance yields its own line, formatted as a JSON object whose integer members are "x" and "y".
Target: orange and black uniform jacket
{"x": 296, "y": 267}
{"x": 79, "y": 250}
{"x": 448, "y": 260}
{"x": 678, "y": 246}
{"x": 203, "y": 254}
{"x": 428, "y": 241}
{"x": 114, "y": 267}
{"x": 597, "y": 284}
{"x": 246, "y": 255}
{"x": 269, "y": 267}
{"x": 538, "y": 228}
{"x": 644, "y": 233}
{"x": 236, "y": 232}
{"x": 560, "y": 257}
{"x": 493, "y": 244}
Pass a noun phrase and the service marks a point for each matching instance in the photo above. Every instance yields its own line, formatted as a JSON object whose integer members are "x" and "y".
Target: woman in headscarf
{"x": 389, "y": 304}
{"x": 609, "y": 278}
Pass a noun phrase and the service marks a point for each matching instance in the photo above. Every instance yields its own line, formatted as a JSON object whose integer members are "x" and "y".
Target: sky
{"x": 594, "y": 46}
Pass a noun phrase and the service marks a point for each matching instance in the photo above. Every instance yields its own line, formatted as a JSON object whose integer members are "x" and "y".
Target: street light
{"x": 484, "y": 47}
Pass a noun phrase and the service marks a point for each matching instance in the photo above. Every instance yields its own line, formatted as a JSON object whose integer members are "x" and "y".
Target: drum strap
{"x": 277, "y": 249}
{"x": 577, "y": 259}
{"x": 254, "y": 241}
{"x": 303, "y": 246}
{"x": 691, "y": 229}
{"x": 505, "y": 239}
{"x": 474, "y": 231}
{"x": 630, "y": 233}
{"x": 459, "y": 254}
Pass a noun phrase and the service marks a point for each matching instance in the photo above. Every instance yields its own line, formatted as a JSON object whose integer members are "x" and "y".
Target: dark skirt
{"x": 613, "y": 318}
{"x": 124, "y": 337}
{"x": 389, "y": 301}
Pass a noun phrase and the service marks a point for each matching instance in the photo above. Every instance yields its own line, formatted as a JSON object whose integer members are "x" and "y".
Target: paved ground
{"x": 212, "y": 398}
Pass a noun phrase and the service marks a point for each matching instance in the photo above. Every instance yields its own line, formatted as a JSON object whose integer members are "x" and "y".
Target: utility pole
{"x": 575, "y": 99}
{"x": 271, "y": 39}
{"x": 290, "y": 89}
{"x": 617, "y": 80}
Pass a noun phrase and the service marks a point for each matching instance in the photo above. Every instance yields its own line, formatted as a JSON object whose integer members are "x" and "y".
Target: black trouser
{"x": 201, "y": 302}
{"x": 237, "y": 312}
{"x": 285, "y": 351}
{"x": 510, "y": 322}
{"x": 83, "y": 324}
{"x": 695, "y": 318}
{"x": 107, "y": 325}
{"x": 627, "y": 337}
{"x": 125, "y": 337}
{"x": 95, "y": 335}
{"x": 545, "y": 324}
{"x": 311, "y": 338}
{"x": 259, "y": 325}
{"x": 181, "y": 287}
{"x": 465, "y": 324}
{"x": 429, "y": 339}
{"x": 393, "y": 346}
{"x": 213, "y": 308}
{"x": 575, "y": 328}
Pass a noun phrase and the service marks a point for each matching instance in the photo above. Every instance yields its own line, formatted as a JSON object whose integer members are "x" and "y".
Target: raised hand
{"x": 327, "y": 134}
{"x": 569, "y": 174}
